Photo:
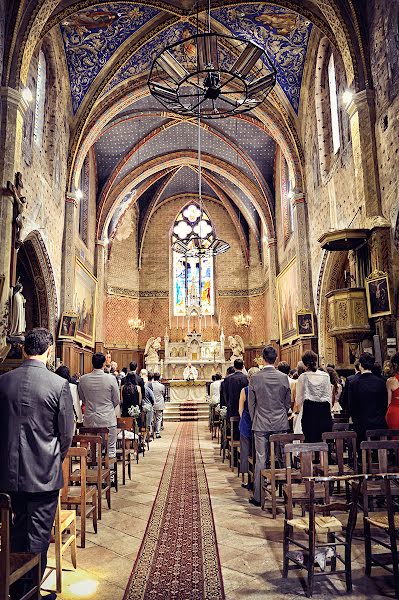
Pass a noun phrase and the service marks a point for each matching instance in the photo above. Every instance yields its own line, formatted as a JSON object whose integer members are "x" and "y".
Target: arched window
{"x": 40, "y": 99}
{"x": 332, "y": 84}
{"x": 193, "y": 282}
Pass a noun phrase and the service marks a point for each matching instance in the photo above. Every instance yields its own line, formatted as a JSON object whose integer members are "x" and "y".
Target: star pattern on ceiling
{"x": 185, "y": 181}
{"x": 92, "y": 36}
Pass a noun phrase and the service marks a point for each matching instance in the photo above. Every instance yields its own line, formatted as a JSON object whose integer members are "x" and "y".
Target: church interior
{"x": 157, "y": 212}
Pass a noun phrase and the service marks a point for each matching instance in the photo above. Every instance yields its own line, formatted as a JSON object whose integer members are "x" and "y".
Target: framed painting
{"x": 305, "y": 323}
{"x": 85, "y": 304}
{"x": 378, "y": 296}
{"x": 287, "y": 300}
{"x": 68, "y": 326}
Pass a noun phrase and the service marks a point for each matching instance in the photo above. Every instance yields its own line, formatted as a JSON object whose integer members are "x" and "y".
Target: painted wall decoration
{"x": 283, "y": 34}
{"x": 287, "y": 297}
{"x": 92, "y": 35}
{"x": 85, "y": 303}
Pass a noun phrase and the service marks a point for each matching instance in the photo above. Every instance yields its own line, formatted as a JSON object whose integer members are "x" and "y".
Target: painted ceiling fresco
{"x": 93, "y": 35}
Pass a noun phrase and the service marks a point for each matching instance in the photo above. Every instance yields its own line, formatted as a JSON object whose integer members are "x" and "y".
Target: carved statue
{"x": 151, "y": 351}
{"x": 236, "y": 345}
{"x": 17, "y": 311}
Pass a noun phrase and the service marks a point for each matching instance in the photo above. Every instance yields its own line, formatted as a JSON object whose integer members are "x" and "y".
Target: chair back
{"x": 306, "y": 454}
{"x": 103, "y": 432}
{"x": 341, "y": 426}
{"x": 383, "y": 449}
{"x": 279, "y": 440}
{"x": 234, "y": 430}
{"x": 125, "y": 423}
{"x": 5, "y": 508}
{"x": 339, "y": 442}
{"x": 74, "y": 453}
{"x": 382, "y": 434}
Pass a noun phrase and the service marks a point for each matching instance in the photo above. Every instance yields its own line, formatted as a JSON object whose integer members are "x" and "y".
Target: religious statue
{"x": 190, "y": 373}
{"x": 151, "y": 352}
{"x": 17, "y": 311}
{"x": 236, "y": 345}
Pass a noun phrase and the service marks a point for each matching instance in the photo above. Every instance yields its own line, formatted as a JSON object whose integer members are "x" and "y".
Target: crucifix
{"x": 19, "y": 205}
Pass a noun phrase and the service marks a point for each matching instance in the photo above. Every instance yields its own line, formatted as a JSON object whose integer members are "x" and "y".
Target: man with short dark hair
{"x": 223, "y": 400}
{"x": 232, "y": 388}
{"x": 139, "y": 380}
{"x": 345, "y": 394}
{"x": 368, "y": 399}
{"x": 269, "y": 400}
{"x": 36, "y": 429}
{"x": 99, "y": 393}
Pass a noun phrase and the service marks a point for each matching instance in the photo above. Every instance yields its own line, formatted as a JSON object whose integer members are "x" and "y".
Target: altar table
{"x": 187, "y": 391}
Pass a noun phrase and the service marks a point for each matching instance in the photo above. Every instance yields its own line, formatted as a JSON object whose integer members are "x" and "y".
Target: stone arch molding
{"x": 44, "y": 280}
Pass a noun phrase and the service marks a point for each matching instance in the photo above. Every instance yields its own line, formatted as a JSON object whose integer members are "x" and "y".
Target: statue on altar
{"x": 236, "y": 345}
{"x": 152, "y": 347}
{"x": 190, "y": 373}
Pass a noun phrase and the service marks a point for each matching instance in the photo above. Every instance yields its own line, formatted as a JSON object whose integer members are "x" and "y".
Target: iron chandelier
{"x": 211, "y": 75}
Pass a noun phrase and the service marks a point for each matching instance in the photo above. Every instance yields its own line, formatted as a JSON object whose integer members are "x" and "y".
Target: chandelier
{"x": 136, "y": 324}
{"x": 242, "y": 320}
{"x": 213, "y": 75}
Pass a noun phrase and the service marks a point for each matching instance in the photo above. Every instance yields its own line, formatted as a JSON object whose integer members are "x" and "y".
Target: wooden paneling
{"x": 293, "y": 354}
{"x": 75, "y": 357}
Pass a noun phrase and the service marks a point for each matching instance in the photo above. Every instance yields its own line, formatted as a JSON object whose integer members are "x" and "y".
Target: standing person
{"x": 232, "y": 388}
{"x": 223, "y": 398}
{"x": 64, "y": 372}
{"x": 314, "y": 394}
{"x": 345, "y": 394}
{"x": 245, "y": 425}
{"x": 159, "y": 403}
{"x": 131, "y": 395}
{"x": 36, "y": 429}
{"x": 368, "y": 399}
{"x": 99, "y": 393}
{"x": 392, "y": 416}
{"x": 269, "y": 400}
{"x": 139, "y": 380}
{"x": 214, "y": 388}
{"x": 149, "y": 399}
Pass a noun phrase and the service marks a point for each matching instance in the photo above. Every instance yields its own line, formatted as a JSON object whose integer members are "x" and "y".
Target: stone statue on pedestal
{"x": 236, "y": 345}
{"x": 151, "y": 353}
{"x": 17, "y": 311}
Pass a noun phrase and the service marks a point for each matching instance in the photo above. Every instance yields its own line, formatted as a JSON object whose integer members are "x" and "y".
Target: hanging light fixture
{"x": 211, "y": 75}
{"x": 242, "y": 320}
{"x": 136, "y": 324}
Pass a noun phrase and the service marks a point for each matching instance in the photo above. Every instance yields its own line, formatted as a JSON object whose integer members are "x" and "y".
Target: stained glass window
{"x": 193, "y": 283}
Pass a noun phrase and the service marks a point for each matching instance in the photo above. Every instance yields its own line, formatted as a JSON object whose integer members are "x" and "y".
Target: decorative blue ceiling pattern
{"x": 91, "y": 36}
{"x": 185, "y": 181}
{"x": 118, "y": 139}
{"x": 184, "y": 137}
{"x": 283, "y": 34}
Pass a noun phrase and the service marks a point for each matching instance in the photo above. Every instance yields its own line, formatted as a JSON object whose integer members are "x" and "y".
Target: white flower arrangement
{"x": 217, "y": 409}
{"x": 134, "y": 411}
{"x": 223, "y": 412}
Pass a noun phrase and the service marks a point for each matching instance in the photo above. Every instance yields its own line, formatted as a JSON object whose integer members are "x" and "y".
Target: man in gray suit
{"x": 269, "y": 400}
{"x": 36, "y": 429}
{"x": 99, "y": 393}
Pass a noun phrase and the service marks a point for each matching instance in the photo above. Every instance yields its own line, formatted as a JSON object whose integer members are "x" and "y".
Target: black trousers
{"x": 32, "y": 519}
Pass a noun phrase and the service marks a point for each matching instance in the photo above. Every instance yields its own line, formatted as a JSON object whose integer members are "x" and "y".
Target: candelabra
{"x": 242, "y": 320}
{"x": 136, "y": 324}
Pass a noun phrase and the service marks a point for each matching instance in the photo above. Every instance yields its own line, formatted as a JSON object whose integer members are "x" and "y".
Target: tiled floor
{"x": 250, "y": 541}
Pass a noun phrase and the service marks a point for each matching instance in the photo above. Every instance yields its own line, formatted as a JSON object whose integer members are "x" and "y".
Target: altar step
{"x": 186, "y": 411}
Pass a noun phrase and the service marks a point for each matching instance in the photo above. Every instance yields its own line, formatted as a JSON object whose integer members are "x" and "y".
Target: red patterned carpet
{"x": 178, "y": 558}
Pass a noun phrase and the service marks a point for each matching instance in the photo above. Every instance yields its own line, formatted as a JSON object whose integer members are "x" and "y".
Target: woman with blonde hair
{"x": 245, "y": 425}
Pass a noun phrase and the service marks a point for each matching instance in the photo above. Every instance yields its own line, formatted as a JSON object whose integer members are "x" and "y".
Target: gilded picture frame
{"x": 305, "y": 323}
{"x": 378, "y": 294}
{"x": 68, "y": 326}
{"x": 85, "y": 304}
{"x": 287, "y": 302}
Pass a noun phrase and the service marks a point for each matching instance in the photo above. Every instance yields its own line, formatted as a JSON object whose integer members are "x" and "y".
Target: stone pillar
{"x": 361, "y": 111}
{"x": 273, "y": 307}
{"x": 302, "y": 251}
{"x": 13, "y": 108}
{"x": 68, "y": 255}
{"x": 100, "y": 274}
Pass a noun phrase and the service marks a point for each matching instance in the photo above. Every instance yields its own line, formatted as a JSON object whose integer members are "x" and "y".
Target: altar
{"x": 187, "y": 391}
{"x": 207, "y": 357}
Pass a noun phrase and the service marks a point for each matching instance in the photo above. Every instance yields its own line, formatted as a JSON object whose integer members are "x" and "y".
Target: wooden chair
{"x": 298, "y": 493}
{"x": 65, "y": 520}
{"x": 318, "y": 520}
{"x": 224, "y": 440}
{"x": 342, "y": 454}
{"x": 98, "y": 471}
{"x": 382, "y": 450}
{"x": 14, "y": 565}
{"x": 381, "y": 435}
{"x": 123, "y": 449}
{"x": 233, "y": 441}
{"x": 276, "y": 476}
{"x": 80, "y": 495}
{"x": 108, "y": 461}
{"x": 341, "y": 426}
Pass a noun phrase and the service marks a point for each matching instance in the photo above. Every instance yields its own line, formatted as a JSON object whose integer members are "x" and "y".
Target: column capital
{"x": 272, "y": 242}
{"x": 71, "y": 199}
{"x": 15, "y": 97}
{"x": 298, "y": 198}
{"x": 360, "y": 100}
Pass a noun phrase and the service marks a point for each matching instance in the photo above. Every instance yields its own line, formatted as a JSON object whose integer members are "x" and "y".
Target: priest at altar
{"x": 190, "y": 373}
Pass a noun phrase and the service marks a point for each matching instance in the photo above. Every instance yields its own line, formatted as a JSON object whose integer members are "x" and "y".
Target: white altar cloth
{"x": 187, "y": 391}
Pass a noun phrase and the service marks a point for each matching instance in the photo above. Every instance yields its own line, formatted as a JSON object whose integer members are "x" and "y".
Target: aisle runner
{"x": 178, "y": 558}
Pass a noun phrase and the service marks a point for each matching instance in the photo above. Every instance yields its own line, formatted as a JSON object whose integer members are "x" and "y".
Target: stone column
{"x": 361, "y": 111}
{"x": 302, "y": 251}
{"x": 100, "y": 274}
{"x": 273, "y": 307}
{"x": 13, "y": 108}
{"x": 68, "y": 255}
